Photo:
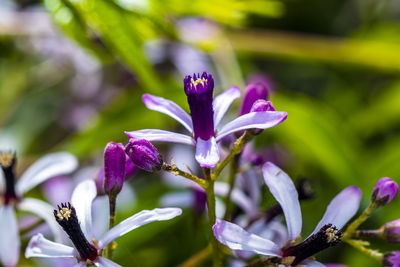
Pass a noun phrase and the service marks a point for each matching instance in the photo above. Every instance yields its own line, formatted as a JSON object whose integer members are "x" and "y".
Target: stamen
{"x": 66, "y": 217}
{"x": 326, "y": 237}
{"x": 6, "y": 159}
{"x": 7, "y": 163}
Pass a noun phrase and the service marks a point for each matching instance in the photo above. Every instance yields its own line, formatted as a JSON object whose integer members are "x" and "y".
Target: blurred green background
{"x": 72, "y": 73}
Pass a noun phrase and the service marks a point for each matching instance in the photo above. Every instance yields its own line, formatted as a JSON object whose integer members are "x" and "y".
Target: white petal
{"x": 169, "y": 108}
{"x": 236, "y": 238}
{"x": 103, "y": 262}
{"x": 137, "y": 220}
{"x": 207, "y": 152}
{"x": 310, "y": 263}
{"x": 284, "y": 191}
{"x": 49, "y": 166}
{"x": 81, "y": 200}
{"x": 44, "y": 211}
{"x": 179, "y": 199}
{"x": 258, "y": 120}
{"x": 162, "y": 136}
{"x": 222, "y": 102}
{"x": 9, "y": 236}
{"x": 80, "y": 264}
{"x": 342, "y": 208}
{"x": 39, "y": 246}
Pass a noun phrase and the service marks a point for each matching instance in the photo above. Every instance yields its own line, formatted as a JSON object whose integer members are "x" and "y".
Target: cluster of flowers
{"x": 248, "y": 234}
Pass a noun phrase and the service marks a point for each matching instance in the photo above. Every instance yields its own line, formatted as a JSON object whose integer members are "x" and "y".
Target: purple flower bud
{"x": 253, "y": 92}
{"x": 391, "y": 231}
{"x": 391, "y": 259}
{"x": 114, "y": 167}
{"x": 262, "y": 105}
{"x": 143, "y": 154}
{"x": 385, "y": 191}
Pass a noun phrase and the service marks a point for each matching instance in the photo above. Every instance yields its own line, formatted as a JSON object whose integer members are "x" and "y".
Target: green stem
{"x": 175, "y": 170}
{"x": 112, "y": 198}
{"x": 232, "y": 178}
{"x": 361, "y": 245}
{"x": 368, "y": 233}
{"x": 198, "y": 258}
{"x": 356, "y": 223}
{"x": 211, "y": 215}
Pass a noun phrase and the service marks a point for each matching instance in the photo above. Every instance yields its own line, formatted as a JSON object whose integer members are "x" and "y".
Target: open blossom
{"x": 341, "y": 209}
{"x": 76, "y": 220}
{"x": 47, "y": 167}
{"x": 205, "y": 116}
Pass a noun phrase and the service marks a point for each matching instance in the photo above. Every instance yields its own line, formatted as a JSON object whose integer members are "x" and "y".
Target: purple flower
{"x": 253, "y": 92}
{"x": 49, "y": 166}
{"x": 206, "y": 115}
{"x": 339, "y": 211}
{"x": 114, "y": 167}
{"x": 391, "y": 259}
{"x": 76, "y": 220}
{"x": 143, "y": 154}
{"x": 385, "y": 191}
{"x": 391, "y": 231}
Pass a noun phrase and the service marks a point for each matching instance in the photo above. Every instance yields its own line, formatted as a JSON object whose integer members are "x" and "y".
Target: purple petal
{"x": 137, "y": 220}
{"x": 207, "y": 152}
{"x": 81, "y": 200}
{"x": 46, "y": 167}
{"x": 9, "y": 237}
{"x": 169, "y": 108}
{"x": 39, "y": 246}
{"x": 258, "y": 120}
{"x": 342, "y": 208}
{"x": 284, "y": 191}
{"x": 162, "y": 136}
{"x": 222, "y": 102}
{"x": 114, "y": 167}
{"x": 310, "y": 263}
{"x": 58, "y": 189}
{"x": 104, "y": 262}
{"x": 236, "y": 238}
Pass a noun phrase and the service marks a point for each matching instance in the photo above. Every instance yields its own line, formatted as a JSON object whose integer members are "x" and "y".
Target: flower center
{"x": 199, "y": 91}
{"x": 326, "y": 237}
{"x": 66, "y": 217}
{"x": 7, "y": 163}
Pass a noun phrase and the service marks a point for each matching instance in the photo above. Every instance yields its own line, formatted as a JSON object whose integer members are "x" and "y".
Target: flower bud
{"x": 144, "y": 155}
{"x": 391, "y": 231}
{"x": 391, "y": 259}
{"x": 114, "y": 167}
{"x": 385, "y": 191}
{"x": 253, "y": 92}
{"x": 262, "y": 105}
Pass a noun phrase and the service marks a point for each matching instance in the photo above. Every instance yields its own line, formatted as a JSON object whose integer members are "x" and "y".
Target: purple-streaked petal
{"x": 104, "y": 262}
{"x": 207, "y": 152}
{"x": 179, "y": 199}
{"x": 162, "y": 136}
{"x": 137, "y": 220}
{"x": 284, "y": 191}
{"x": 81, "y": 200}
{"x": 236, "y": 238}
{"x": 49, "y": 166}
{"x": 342, "y": 208}
{"x": 39, "y": 246}
{"x": 222, "y": 102}
{"x": 169, "y": 108}
{"x": 238, "y": 197}
{"x": 44, "y": 211}
{"x": 257, "y": 120}
{"x": 310, "y": 263}
{"x": 9, "y": 236}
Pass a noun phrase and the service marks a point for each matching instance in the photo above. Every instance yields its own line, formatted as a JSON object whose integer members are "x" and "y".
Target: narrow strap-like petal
{"x": 80, "y": 264}
{"x": 104, "y": 262}
{"x": 82, "y": 199}
{"x": 342, "y": 208}
{"x": 310, "y": 263}
{"x": 49, "y": 166}
{"x": 207, "y": 152}
{"x": 44, "y": 211}
{"x": 259, "y": 120}
{"x": 169, "y": 108}
{"x": 161, "y": 136}
{"x": 9, "y": 237}
{"x": 39, "y": 246}
{"x": 236, "y": 238}
{"x": 284, "y": 191}
{"x": 137, "y": 220}
{"x": 222, "y": 102}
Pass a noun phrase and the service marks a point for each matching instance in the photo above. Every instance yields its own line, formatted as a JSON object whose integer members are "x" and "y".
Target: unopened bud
{"x": 391, "y": 259}
{"x": 253, "y": 92}
{"x": 144, "y": 155}
{"x": 261, "y": 106}
{"x": 385, "y": 191}
{"x": 391, "y": 231}
{"x": 114, "y": 167}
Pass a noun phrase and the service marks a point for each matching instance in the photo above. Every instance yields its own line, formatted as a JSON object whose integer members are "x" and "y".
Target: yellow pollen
{"x": 195, "y": 83}
{"x": 6, "y": 159}
{"x": 64, "y": 213}
{"x": 331, "y": 234}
